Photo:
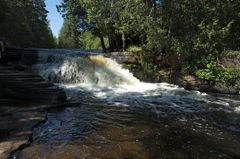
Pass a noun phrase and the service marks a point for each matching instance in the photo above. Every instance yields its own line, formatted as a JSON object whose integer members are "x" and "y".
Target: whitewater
{"x": 119, "y": 116}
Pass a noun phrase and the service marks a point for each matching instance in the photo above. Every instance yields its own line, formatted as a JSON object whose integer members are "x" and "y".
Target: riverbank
{"x": 153, "y": 120}
{"x": 24, "y": 99}
{"x": 131, "y": 61}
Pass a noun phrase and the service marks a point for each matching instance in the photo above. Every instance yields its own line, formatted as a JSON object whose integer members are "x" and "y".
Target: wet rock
{"x": 29, "y": 59}
{"x": 24, "y": 100}
{"x": 226, "y": 89}
{"x": 193, "y": 83}
{"x": 131, "y": 62}
{"x": 124, "y": 57}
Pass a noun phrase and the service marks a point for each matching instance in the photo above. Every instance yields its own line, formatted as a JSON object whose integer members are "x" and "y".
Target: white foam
{"x": 106, "y": 79}
{"x": 96, "y": 70}
{"x": 237, "y": 110}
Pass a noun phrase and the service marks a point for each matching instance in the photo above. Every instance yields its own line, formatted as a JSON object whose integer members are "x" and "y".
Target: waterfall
{"x": 92, "y": 69}
{"x": 106, "y": 79}
{"x": 115, "y": 113}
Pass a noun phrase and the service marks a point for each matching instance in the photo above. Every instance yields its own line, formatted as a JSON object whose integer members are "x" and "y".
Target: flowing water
{"x": 114, "y": 115}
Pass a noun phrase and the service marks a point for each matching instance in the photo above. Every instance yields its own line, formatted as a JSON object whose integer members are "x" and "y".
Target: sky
{"x": 56, "y": 20}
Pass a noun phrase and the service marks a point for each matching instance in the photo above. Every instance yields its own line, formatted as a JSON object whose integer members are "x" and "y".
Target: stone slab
{"x": 25, "y": 99}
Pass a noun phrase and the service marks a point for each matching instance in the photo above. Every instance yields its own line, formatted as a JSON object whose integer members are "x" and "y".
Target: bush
{"x": 208, "y": 69}
{"x": 146, "y": 61}
{"x": 134, "y": 48}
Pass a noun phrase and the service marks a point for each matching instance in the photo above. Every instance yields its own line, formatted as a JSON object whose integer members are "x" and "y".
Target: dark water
{"x": 116, "y": 116}
{"x": 98, "y": 130}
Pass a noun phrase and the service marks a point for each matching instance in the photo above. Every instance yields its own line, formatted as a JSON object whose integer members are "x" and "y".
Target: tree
{"x": 69, "y": 34}
{"x": 196, "y": 30}
{"x": 25, "y": 24}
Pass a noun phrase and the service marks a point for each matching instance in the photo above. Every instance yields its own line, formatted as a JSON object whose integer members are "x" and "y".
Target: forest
{"x": 24, "y": 23}
{"x": 172, "y": 36}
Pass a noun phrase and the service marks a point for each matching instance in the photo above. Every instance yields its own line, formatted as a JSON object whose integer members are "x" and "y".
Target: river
{"x": 113, "y": 115}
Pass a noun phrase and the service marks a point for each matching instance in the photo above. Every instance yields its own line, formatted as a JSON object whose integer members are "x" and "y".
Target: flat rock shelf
{"x": 24, "y": 100}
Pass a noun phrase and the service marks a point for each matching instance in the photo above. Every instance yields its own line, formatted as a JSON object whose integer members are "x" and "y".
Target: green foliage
{"x": 165, "y": 73}
{"x": 134, "y": 48}
{"x": 89, "y": 41}
{"x": 212, "y": 37}
{"x": 208, "y": 69}
{"x": 231, "y": 53}
{"x": 147, "y": 62}
{"x": 197, "y": 32}
{"x": 217, "y": 75}
{"x": 3, "y": 10}
{"x": 23, "y": 23}
{"x": 69, "y": 34}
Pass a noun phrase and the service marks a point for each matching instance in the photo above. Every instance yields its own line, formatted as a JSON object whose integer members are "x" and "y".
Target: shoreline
{"x": 25, "y": 99}
{"x": 131, "y": 62}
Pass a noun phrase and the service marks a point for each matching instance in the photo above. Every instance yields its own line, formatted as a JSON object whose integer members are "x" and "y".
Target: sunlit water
{"x": 114, "y": 115}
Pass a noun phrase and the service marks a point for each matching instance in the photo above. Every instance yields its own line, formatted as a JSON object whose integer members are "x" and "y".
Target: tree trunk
{"x": 112, "y": 44}
{"x": 123, "y": 42}
{"x": 103, "y": 44}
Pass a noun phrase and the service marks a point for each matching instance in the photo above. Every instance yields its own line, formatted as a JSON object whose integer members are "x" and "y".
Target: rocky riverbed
{"x": 24, "y": 99}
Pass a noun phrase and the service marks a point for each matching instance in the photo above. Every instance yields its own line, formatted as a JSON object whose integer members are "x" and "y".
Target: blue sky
{"x": 56, "y": 20}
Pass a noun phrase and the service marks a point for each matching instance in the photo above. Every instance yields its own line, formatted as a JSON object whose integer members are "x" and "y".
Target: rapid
{"x": 115, "y": 115}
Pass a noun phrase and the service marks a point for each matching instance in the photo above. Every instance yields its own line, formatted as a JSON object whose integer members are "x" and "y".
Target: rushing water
{"x": 117, "y": 116}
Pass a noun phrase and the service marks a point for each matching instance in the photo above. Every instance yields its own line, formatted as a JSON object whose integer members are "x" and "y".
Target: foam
{"x": 237, "y": 110}
{"x": 104, "y": 78}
